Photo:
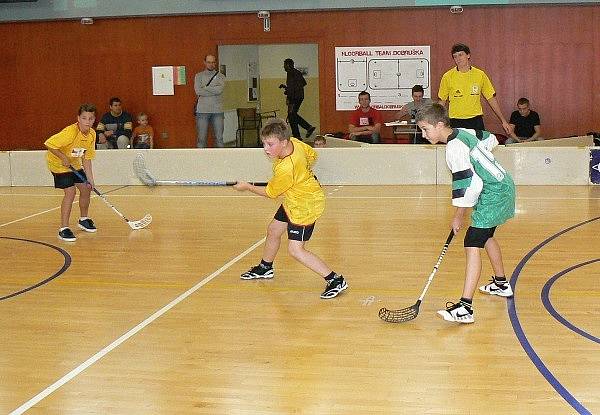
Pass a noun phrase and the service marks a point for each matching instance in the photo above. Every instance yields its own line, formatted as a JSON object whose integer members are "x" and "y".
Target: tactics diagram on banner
{"x": 386, "y": 72}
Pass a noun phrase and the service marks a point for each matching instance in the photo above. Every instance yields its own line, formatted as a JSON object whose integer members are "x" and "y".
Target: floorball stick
{"x": 409, "y": 313}
{"x": 134, "y": 224}
{"x": 142, "y": 173}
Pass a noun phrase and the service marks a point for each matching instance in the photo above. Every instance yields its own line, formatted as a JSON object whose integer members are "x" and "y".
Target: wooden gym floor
{"x": 157, "y": 321}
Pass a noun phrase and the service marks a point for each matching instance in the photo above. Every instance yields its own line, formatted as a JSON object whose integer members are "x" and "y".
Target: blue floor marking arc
{"x": 545, "y": 294}
{"x": 518, "y": 329}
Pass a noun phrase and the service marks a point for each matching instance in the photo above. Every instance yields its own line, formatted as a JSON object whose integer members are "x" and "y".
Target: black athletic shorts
{"x": 64, "y": 180}
{"x": 477, "y": 237}
{"x": 475, "y": 123}
{"x": 295, "y": 232}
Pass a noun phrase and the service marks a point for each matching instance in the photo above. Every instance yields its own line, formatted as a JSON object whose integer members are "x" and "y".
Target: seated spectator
{"x": 418, "y": 103}
{"x": 320, "y": 142}
{"x": 409, "y": 111}
{"x": 524, "y": 124}
{"x": 115, "y": 127}
{"x": 143, "y": 134}
{"x": 365, "y": 122}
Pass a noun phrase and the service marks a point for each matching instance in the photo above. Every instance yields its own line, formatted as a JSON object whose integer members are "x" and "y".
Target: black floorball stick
{"x": 134, "y": 224}
{"x": 409, "y": 313}
{"x": 142, "y": 173}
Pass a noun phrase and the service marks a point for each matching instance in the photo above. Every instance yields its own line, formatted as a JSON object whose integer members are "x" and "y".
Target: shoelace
{"x": 453, "y": 306}
{"x": 500, "y": 284}
{"x": 332, "y": 283}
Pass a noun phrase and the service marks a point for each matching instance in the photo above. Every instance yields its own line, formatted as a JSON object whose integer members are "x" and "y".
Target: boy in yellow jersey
{"x": 303, "y": 204}
{"x": 74, "y": 146}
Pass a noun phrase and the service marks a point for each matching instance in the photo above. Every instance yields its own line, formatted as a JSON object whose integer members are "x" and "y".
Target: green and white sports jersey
{"x": 478, "y": 180}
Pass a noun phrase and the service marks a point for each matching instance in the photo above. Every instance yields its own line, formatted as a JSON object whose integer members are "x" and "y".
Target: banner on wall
{"x": 162, "y": 80}
{"x": 388, "y": 73}
{"x": 179, "y": 75}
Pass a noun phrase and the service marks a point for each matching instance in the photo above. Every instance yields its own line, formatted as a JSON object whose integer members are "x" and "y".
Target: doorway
{"x": 254, "y": 73}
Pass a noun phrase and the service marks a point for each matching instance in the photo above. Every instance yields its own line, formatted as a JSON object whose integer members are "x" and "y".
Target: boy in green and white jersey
{"x": 481, "y": 183}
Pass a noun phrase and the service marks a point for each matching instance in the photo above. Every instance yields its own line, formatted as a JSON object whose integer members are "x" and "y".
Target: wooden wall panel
{"x": 568, "y": 91}
{"x": 549, "y": 53}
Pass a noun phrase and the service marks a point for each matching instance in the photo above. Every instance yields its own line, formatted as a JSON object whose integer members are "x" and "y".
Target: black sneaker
{"x": 334, "y": 287}
{"x": 87, "y": 225}
{"x": 258, "y": 272}
{"x": 66, "y": 235}
{"x": 310, "y": 131}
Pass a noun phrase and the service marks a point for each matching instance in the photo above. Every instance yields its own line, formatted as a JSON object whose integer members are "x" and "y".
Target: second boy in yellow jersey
{"x": 303, "y": 204}
{"x": 74, "y": 146}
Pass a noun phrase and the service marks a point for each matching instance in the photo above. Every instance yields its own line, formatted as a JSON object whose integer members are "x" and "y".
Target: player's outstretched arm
{"x": 243, "y": 186}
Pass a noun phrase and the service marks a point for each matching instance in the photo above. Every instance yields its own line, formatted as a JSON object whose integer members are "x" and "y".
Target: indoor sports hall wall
{"x": 548, "y": 53}
{"x": 5, "y": 176}
{"x": 365, "y": 165}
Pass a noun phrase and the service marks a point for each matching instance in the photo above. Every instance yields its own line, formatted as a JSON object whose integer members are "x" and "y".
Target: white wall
{"x": 535, "y": 166}
{"x": 272, "y": 56}
{"x": 237, "y": 57}
{"x": 365, "y": 165}
{"x": 4, "y": 169}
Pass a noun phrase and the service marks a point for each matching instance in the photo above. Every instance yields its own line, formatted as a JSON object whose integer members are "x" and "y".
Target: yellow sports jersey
{"x": 304, "y": 199}
{"x": 464, "y": 90}
{"x": 74, "y": 144}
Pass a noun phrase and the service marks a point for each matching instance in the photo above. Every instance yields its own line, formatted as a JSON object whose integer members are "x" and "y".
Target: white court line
{"x": 99, "y": 355}
{"x": 39, "y": 213}
{"x": 29, "y": 194}
{"x": 30, "y": 216}
{"x": 332, "y": 196}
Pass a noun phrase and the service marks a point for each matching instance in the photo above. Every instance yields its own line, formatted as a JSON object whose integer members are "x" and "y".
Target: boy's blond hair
{"x": 142, "y": 114}
{"x": 277, "y": 127}
{"x": 432, "y": 114}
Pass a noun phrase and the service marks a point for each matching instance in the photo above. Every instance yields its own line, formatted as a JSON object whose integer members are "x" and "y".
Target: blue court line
{"x": 66, "y": 264}
{"x": 548, "y": 304}
{"x": 518, "y": 329}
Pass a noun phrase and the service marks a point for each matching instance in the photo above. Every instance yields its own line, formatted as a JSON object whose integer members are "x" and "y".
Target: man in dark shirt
{"x": 524, "y": 124}
{"x": 115, "y": 127}
{"x": 294, "y": 91}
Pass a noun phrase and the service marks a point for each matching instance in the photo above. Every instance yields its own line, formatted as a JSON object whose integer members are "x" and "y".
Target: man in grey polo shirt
{"x": 412, "y": 108}
{"x": 209, "y": 85}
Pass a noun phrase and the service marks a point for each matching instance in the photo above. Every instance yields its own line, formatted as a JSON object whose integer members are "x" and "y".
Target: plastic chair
{"x": 250, "y": 122}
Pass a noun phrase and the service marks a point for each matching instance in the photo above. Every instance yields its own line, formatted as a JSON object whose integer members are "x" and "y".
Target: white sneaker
{"x": 457, "y": 313}
{"x": 493, "y": 288}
